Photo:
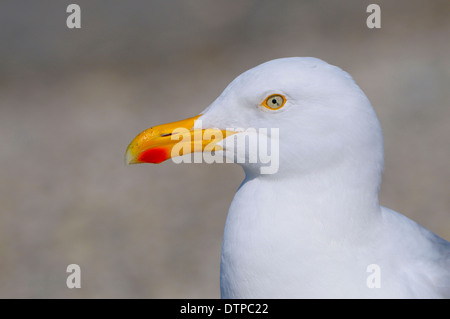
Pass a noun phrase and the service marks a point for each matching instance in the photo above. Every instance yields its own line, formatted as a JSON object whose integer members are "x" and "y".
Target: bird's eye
{"x": 274, "y": 101}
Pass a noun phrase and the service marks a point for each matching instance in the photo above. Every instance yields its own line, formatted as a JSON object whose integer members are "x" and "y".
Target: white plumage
{"x": 312, "y": 229}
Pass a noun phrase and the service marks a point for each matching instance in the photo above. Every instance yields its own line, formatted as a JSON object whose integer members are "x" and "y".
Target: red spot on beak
{"x": 154, "y": 155}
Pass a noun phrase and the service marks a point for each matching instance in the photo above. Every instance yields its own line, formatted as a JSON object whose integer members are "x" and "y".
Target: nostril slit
{"x": 166, "y": 134}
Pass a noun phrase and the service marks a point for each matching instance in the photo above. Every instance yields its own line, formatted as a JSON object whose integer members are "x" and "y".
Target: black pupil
{"x": 274, "y": 101}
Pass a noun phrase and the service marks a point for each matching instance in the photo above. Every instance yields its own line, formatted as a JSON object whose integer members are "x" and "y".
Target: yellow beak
{"x": 159, "y": 143}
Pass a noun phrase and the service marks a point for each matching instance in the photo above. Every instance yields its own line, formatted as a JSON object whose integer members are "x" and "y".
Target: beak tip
{"x": 153, "y": 146}
{"x": 129, "y": 158}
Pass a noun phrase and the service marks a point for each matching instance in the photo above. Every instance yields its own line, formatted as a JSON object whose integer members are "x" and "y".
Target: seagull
{"x": 313, "y": 226}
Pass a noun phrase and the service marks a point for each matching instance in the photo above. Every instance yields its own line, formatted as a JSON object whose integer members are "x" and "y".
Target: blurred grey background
{"x": 72, "y": 100}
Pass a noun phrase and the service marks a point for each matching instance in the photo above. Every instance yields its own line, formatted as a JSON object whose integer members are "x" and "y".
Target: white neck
{"x": 270, "y": 217}
{"x": 342, "y": 194}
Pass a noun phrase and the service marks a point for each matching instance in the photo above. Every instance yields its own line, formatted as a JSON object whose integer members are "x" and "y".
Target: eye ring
{"x": 274, "y": 102}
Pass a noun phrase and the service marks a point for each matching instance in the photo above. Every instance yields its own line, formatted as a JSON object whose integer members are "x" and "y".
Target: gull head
{"x": 303, "y": 114}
